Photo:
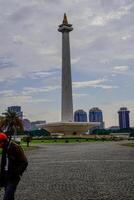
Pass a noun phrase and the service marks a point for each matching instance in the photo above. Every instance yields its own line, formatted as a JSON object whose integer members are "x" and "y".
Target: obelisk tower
{"x": 67, "y": 101}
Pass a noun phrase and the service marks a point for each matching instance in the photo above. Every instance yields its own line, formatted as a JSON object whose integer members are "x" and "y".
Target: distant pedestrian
{"x": 13, "y": 164}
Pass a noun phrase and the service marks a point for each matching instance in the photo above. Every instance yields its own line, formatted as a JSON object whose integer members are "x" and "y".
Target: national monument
{"x": 67, "y": 125}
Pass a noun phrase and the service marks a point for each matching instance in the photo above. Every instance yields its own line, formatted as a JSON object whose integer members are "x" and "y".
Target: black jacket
{"x": 17, "y": 163}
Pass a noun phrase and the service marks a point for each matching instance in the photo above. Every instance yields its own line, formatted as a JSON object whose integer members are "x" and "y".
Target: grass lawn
{"x": 65, "y": 140}
{"x": 59, "y": 141}
{"x": 129, "y": 144}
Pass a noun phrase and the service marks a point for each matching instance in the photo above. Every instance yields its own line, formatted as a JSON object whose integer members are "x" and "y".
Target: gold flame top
{"x": 65, "y": 21}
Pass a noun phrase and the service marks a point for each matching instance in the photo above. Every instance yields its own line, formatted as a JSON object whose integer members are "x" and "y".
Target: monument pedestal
{"x": 69, "y": 128}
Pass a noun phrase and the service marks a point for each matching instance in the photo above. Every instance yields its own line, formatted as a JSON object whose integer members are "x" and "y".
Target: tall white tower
{"x": 67, "y": 101}
{"x": 67, "y": 126}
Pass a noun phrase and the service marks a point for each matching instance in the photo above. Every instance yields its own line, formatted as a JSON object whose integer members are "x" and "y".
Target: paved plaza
{"x": 82, "y": 171}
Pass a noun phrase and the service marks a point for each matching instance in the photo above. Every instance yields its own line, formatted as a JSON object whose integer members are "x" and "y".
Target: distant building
{"x": 17, "y": 110}
{"x": 95, "y": 115}
{"x": 124, "y": 121}
{"x": 35, "y": 124}
{"x": 27, "y": 124}
{"x": 80, "y": 116}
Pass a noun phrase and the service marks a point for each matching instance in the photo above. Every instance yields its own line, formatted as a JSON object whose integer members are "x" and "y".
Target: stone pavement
{"x": 83, "y": 171}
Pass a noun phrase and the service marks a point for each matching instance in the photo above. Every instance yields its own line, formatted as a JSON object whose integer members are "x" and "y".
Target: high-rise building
{"x": 17, "y": 110}
{"x": 95, "y": 115}
{"x": 27, "y": 124}
{"x": 80, "y": 116}
{"x": 123, "y": 114}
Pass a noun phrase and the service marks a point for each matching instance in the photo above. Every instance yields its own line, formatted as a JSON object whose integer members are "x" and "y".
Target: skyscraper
{"x": 95, "y": 115}
{"x": 17, "y": 110}
{"x": 124, "y": 121}
{"x": 80, "y": 116}
{"x": 27, "y": 124}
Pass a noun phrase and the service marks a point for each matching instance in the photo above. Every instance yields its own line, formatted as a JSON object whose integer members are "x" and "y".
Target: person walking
{"x": 13, "y": 164}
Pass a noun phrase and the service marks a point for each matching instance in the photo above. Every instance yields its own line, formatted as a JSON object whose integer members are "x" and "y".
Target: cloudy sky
{"x": 102, "y": 56}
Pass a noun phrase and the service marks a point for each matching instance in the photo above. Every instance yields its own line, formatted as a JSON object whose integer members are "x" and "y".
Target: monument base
{"x": 69, "y": 128}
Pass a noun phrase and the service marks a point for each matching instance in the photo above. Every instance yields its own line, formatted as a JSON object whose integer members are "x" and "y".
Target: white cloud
{"x": 11, "y": 75}
{"x": 40, "y": 74}
{"x": 121, "y": 69}
{"x": 7, "y": 93}
{"x": 15, "y": 100}
{"x": 87, "y": 83}
{"x": 107, "y": 86}
{"x": 34, "y": 90}
{"x": 125, "y": 37}
{"x": 22, "y": 100}
{"x": 94, "y": 84}
{"x": 50, "y": 51}
{"x": 103, "y": 19}
{"x": 79, "y": 94}
{"x": 19, "y": 39}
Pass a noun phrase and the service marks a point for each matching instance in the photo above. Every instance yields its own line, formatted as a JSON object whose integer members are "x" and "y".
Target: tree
{"x": 1, "y": 122}
{"x": 11, "y": 123}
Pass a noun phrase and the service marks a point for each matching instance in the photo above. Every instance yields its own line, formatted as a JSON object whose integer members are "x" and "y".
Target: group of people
{"x": 13, "y": 164}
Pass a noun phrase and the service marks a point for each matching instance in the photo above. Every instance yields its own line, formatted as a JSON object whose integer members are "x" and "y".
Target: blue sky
{"x": 102, "y": 56}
